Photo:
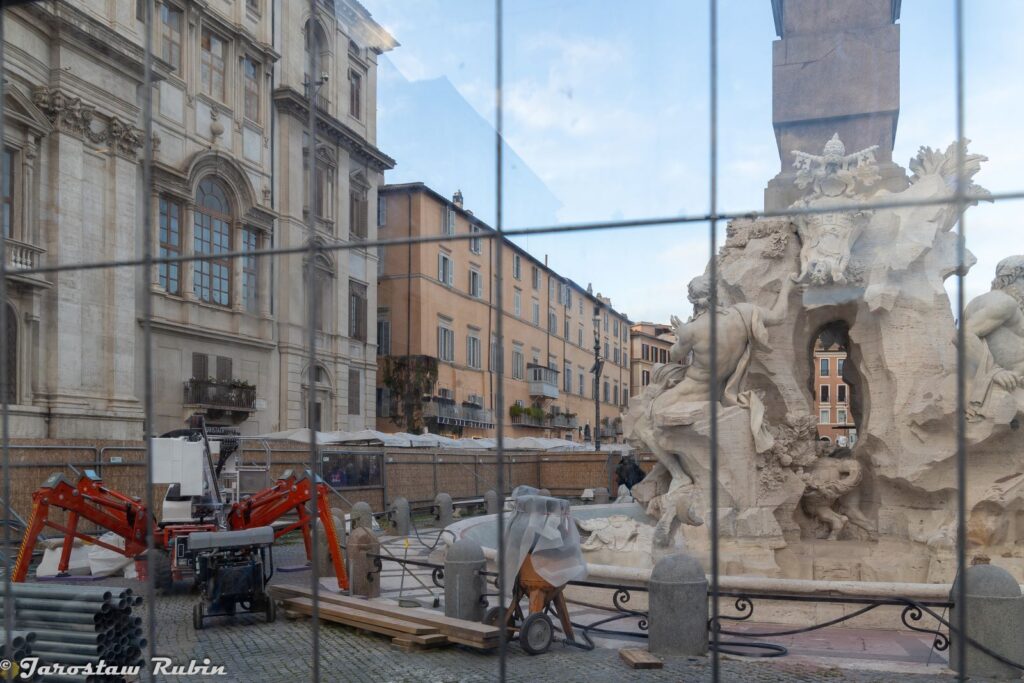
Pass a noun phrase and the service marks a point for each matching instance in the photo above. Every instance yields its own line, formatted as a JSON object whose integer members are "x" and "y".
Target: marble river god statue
{"x": 788, "y": 504}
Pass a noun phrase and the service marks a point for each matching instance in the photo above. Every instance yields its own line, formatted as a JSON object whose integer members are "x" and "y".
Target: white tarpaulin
{"x": 372, "y": 437}
{"x": 544, "y": 527}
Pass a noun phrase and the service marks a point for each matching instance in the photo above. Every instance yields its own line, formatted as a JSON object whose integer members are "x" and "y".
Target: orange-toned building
{"x": 436, "y": 326}
{"x": 832, "y": 395}
{"x": 650, "y": 344}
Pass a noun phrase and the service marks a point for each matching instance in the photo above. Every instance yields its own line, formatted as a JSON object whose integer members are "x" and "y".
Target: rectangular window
{"x": 579, "y": 335}
{"x": 517, "y": 267}
{"x": 170, "y": 35}
{"x": 823, "y": 367}
{"x": 824, "y": 393}
{"x": 567, "y": 378}
{"x": 535, "y": 312}
{"x": 444, "y": 269}
{"x": 841, "y": 393}
{"x": 223, "y": 369}
{"x": 840, "y": 365}
{"x": 383, "y": 402}
{"x": 645, "y": 378}
{"x": 582, "y": 385}
{"x": 565, "y": 327}
{"x": 212, "y": 278}
{"x": 170, "y": 241}
{"x": 518, "y": 366}
{"x": 551, "y": 289}
{"x": 607, "y": 392}
{"x": 357, "y": 310}
{"x": 615, "y": 327}
{"x": 445, "y": 342}
{"x": 251, "y": 70}
{"x": 645, "y": 351}
{"x": 447, "y": 220}
{"x": 358, "y": 211}
{"x": 211, "y": 64}
{"x": 8, "y": 192}
{"x": 475, "y": 243}
{"x": 355, "y": 94}
{"x": 552, "y": 322}
{"x": 473, "y": 358}
{"x": 607, "y": 353}
{"x": 354, "y": 388}
{"x": 495, "y": 354}
{"x": 841, "y": 416}
{"x": 617, "y": 359}
{"x": 823, "y": 416}
{"x": 476, "y": 284}
{"x": 382, "y": 212}
{"x": 250, "y": 272}
{"x": 535, "y": 276}
{"x": 200, "y": 366}
{"x": 517, "y": 303}
{"x": 383, "y": 334}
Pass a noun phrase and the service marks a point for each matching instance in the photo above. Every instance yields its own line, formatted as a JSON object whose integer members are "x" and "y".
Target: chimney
{"x": 457, "y": 198}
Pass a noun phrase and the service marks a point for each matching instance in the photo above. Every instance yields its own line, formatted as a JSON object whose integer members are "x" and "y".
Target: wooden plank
{"x": 466, "y": 630}
{"x": 363, "y": 619}
{"x": 639, "y": 658}
{"x": 476, "y": 644}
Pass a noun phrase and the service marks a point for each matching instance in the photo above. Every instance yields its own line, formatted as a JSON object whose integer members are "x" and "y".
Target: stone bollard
{"x": 464, "y": 586}
{"x": 443, "y": 505}
{"x": 361, "y": 516}
{"x": 601, "y": 496}
{"x": 995, "y": 619}
{"x": 400, "y": 516}
{"x": 678, "y": 602}
{"x": 491, "y": 500}
{"x": 364, "y": 577}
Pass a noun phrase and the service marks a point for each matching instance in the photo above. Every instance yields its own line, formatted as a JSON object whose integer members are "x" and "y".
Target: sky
{"x": 606, "y": 117}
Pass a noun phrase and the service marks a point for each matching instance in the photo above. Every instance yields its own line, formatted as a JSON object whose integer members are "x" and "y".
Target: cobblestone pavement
{"x": 253, "y": 651}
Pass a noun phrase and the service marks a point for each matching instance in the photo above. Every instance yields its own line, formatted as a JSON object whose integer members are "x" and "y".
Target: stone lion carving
{"x": 830, "y": 481}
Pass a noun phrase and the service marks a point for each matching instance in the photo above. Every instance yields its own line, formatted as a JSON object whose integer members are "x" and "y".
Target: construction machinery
{"x": 232, "y": 571}
{"x": 194, "y": 502}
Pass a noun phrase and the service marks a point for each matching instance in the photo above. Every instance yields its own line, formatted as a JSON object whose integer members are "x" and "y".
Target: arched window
{"x": 10, "y": 390}
{"x": 319, "y": 383}
{"x": 212, "y": 280}
{"x": 317, "y": 57}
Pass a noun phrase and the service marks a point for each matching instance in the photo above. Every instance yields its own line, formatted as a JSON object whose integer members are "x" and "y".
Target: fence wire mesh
{"x": 314, "y": 249}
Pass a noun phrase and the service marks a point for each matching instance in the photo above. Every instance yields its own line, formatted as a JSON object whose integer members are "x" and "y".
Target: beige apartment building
{"x": 832, "y": 397}
{"x": 436, "y": 324}
{"x": 231, "y": 99}
{"x": 650, "y": 344}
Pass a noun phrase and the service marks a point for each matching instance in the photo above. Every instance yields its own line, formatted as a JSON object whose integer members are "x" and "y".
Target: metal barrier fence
{"x": 216, "y": 265}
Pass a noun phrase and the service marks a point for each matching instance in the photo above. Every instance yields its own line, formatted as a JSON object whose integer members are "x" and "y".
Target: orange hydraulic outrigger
{"x": 90, "y": 500}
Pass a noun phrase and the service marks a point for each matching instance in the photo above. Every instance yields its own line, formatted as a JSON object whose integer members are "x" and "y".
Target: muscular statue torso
{"x": 733, "y": 337}
{"x": 997, "y": 319}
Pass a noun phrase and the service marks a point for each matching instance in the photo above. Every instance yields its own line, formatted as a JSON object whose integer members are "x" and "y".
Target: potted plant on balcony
{"x": 516, "y": 410}
{"x": 536, "y": 412}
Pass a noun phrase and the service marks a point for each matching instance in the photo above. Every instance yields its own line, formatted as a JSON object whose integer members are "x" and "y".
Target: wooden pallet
{"x": 415, "y": 627}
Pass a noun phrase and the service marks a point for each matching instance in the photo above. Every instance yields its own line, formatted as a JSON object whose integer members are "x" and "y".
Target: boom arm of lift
{"x": 288, "y": 493}
{"x": 89, "y": 499}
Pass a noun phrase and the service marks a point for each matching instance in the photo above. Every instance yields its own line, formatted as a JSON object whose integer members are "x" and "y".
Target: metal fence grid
{"x": 314, "y": 248}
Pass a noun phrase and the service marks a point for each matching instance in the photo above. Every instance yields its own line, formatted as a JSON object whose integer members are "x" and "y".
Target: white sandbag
{"x": 78, "y": 563}
{"x": 105, "y": 562}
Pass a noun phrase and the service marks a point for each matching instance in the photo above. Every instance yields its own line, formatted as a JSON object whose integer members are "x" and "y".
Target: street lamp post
{"x": 598, "y": 366}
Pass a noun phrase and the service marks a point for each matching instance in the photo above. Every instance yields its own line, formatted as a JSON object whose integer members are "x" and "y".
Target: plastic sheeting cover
{"x": 546, "y": 525}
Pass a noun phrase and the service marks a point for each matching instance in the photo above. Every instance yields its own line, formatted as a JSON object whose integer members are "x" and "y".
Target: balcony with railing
{"x": 222, "y": 396}
{"x": 564, "y": 421}
{"x": 527, "y": 420}
{"x": 23, "y": 256}
{"x": 543, "y": 381}
{"x": 447, "y": 412}
{"x": 323, "y": 104}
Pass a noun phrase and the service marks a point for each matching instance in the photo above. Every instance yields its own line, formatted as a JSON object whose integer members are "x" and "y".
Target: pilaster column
{"x": 264, "y": 270}
{"x": 28, "y": 232}
{"x": 237, "y": 305}
{"x": 188, "y": 247}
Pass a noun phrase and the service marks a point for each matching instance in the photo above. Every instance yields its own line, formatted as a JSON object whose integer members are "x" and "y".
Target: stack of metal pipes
{"x": 21, "y": 642}
{"x": 76, "y": 625}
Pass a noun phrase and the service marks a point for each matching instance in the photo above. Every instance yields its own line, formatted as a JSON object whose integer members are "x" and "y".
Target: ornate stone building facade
{"x": 230, "y": 104}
